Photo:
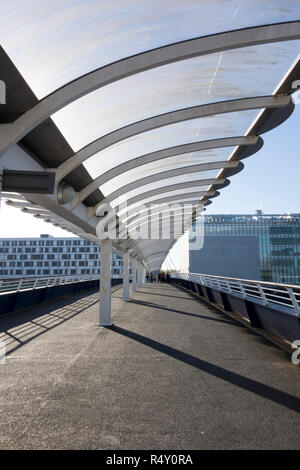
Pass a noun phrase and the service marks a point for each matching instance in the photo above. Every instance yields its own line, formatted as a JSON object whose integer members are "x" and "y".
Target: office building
{"x": 259, "y": 246}
{"x": 49, "y": 256}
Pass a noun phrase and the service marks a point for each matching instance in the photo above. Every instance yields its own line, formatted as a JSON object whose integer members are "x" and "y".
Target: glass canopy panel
{"x": 62, "y": 39}
{"x": 195, "y": 130}
{"x": 141, "y": 211}
{"x": 151, "y": 169}
{"x": 147, "y": 213}
{"x": 176, "y": 192}
{"x": 165, "y": 183}
{"x": 193, "y": 82}
{"x": 196, "y": 177}
{"x": 201, "y": 175}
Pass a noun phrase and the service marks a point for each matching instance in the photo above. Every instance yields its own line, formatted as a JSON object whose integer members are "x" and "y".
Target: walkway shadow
{"x": 17, "y": 329}
{"x": 163, "y": 295}
{"x": 270, "y": 393}
{"x": 196, "y": 315}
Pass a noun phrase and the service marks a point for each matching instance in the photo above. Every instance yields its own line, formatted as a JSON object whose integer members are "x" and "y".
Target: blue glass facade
{"x": 277, "y": 238}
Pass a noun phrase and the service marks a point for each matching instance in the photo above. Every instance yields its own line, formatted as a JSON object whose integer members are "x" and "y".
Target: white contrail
{"x": 215, "y": 73}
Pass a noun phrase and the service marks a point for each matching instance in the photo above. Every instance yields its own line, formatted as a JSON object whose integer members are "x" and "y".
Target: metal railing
{"x": 266, "y": 293}
{"x": 16, "y": 285}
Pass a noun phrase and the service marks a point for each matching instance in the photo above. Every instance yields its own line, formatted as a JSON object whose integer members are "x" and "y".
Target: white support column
{"x": 126, "y": 263}
{"x": 142, "y": 277}
{"x": 105, "y": 283}
{"x": 134, "y": 273}
{"x": 138, "y": 274}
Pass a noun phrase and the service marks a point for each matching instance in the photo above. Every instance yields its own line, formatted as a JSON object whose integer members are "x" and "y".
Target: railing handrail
{"x": 292, "y": 286}
{"x": 283, "y": 295}
{"x": 26, "y": 283}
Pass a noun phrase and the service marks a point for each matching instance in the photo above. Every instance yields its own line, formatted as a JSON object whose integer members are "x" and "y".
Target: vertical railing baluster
{"x": 294, "y": 300}
{"x": 262, "y": 294}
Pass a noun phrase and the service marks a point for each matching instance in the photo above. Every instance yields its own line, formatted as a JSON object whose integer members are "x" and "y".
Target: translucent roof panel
{"x": 197, "y": 81}
{"x": 119, "y": 182}
{"x": 142, "y": 211}
{"x": 62, "y": 39}
{"x": 196, "y": 177}
{"x": 176, "y": 192}
{"x": 213, "y": 127}
{"x": 152, "y": 169}
{"x": 157, "y": 210}
{"x": 196, "y": 188}
{"x": 184, "y": 178}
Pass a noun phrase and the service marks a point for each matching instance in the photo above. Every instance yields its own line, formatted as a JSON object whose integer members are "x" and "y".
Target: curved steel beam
{"x": 157, "y": 233}
{"x": 169, "y": 174}
{"x": 158, "y": 215}
{"x": 163, "y": 212}
{"x": 251, "y": 145}
{"x": 166, "y": 189}
{"x": 118, "y": 70}
{"x": 153, "y": 261}
{"x": 162, "y": 203}
{"x": 157, "y": 229}
{"x": 141, "y": 245}
{"x": 164, "y": 209}
{"x": 135, "y": 219}
{"x": 149, "y": 251}
{"x": 154, "y": 244}
{"x": 156, "y": 253}
{"x": 173, "y": 117}
{"x": 153, "y": 264}
{"x": 131, "y": 214}
{"x": 218, "y": 183}
{"x": 148, "y": 244}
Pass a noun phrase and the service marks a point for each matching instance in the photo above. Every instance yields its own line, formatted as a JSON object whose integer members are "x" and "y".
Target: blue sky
{"x": 270, "y": 177}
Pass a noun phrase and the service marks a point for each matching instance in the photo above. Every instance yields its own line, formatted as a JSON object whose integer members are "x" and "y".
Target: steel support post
{"x": 134, "y": 273}
{"x": 126, "y": 263}
{"x": 138, "y": 281}
{"x": 105, "y": 283}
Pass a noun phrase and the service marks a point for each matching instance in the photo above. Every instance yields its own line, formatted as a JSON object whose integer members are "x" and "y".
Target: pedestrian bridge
{"x": 173, "y": 372}
{"x": 151, "y": 103}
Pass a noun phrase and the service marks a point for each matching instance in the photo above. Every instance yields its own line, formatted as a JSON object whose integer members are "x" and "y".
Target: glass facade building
{"x": 259, "y": 246}
{"x": 49, "y": 256}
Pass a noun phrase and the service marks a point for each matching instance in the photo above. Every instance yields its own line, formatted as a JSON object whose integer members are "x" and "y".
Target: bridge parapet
{"x": 19, "y": 294}
{"x": 272, "y": 309}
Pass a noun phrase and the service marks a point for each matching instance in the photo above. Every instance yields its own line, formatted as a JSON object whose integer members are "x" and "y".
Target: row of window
{"x": 50, "y": 250}
{"x": 53, "y": 242}
{"x": 47, "y": 272}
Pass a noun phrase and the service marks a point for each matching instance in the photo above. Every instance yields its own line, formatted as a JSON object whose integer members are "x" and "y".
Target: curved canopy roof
{"x": 148, "y": 102}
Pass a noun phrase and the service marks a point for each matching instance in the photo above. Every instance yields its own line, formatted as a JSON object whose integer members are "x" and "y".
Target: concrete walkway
{"x": 173, "y": 373}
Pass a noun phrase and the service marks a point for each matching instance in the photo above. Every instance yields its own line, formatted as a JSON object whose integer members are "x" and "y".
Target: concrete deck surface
{"x": 173, "y": 373}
